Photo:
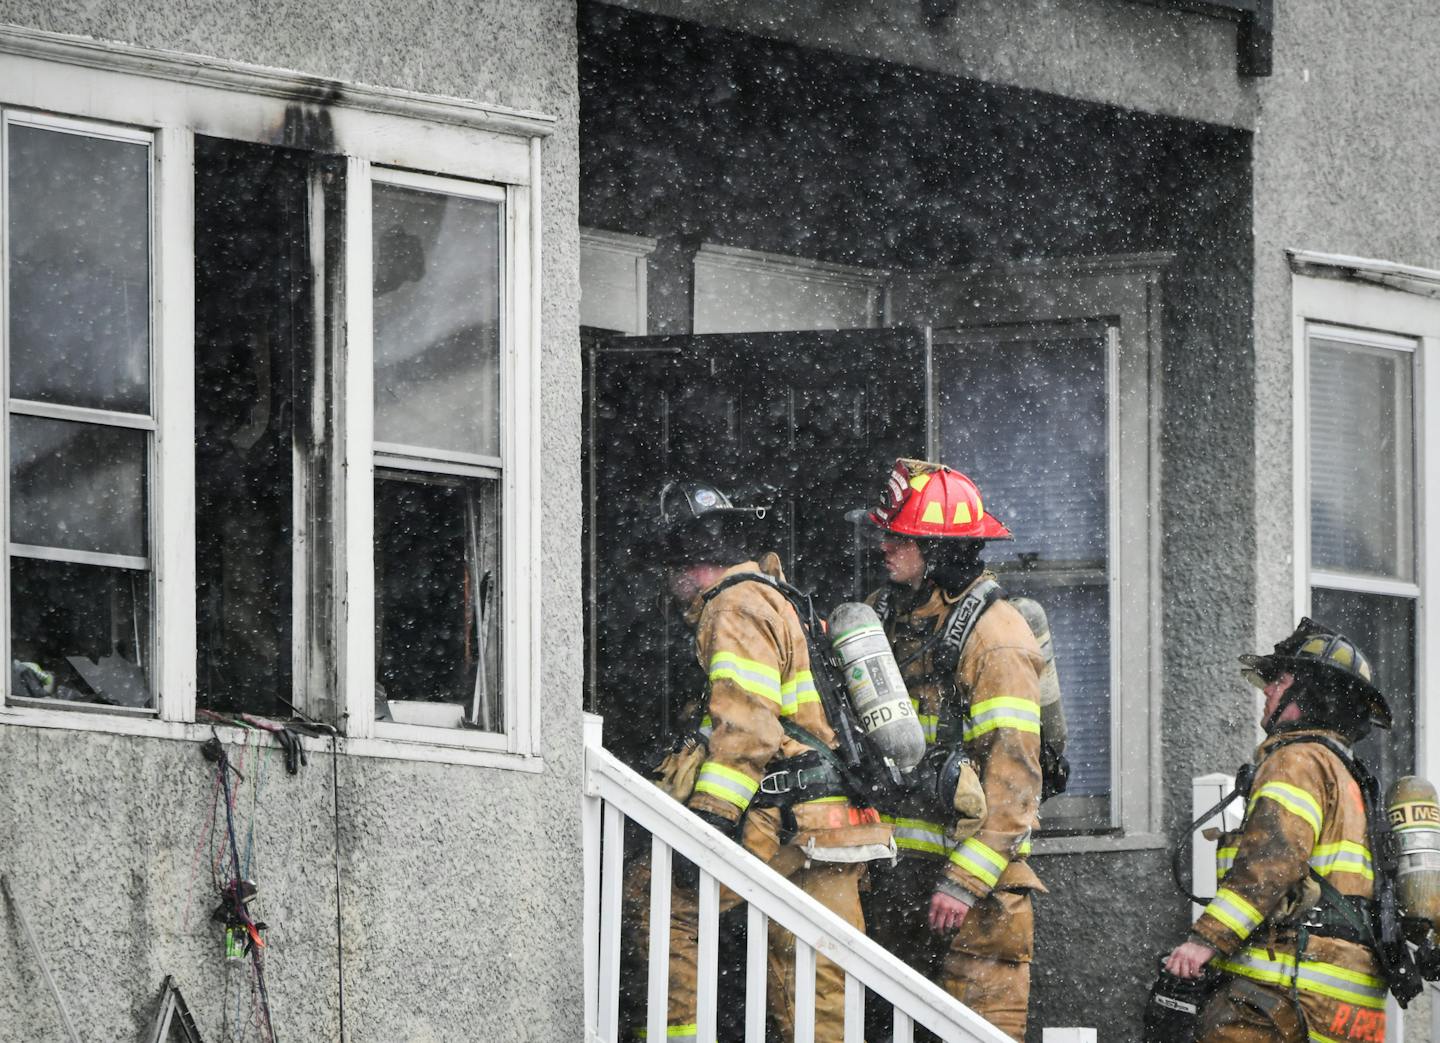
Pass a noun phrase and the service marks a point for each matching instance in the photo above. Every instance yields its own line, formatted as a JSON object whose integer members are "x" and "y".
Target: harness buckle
{"x": 777, "y": 783}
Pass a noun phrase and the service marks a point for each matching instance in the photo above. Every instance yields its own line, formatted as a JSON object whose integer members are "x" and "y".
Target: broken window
{"x": 438, "y": 276}
{"x": 80, "y": 423}
{"x": 253, "y": 382}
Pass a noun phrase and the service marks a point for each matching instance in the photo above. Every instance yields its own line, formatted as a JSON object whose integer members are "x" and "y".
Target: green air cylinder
{"x": 1052, "y": 712}
{"x": 876, "y": 689}
{"x": 1415, "y": 820}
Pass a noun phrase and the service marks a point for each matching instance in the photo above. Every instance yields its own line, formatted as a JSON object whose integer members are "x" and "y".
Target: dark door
{"x": 807, "y": 423}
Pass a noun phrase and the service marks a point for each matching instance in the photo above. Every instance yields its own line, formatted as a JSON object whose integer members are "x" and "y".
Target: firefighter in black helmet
{"x": 759, "y": 705}
{"x": 1302, "y": 857}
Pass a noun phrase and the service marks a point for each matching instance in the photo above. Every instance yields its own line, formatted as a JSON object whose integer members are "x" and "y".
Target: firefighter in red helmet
{"x": 956, "y": 906}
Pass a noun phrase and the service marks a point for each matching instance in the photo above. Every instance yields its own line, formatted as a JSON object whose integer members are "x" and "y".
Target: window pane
{"x": 1026, "y": 417}
{"x": 437, "y": 602}
{"x": 1362, "y": 459}
{"x": 77, "y": 486}
{"x": 1027, "y": 421}
{"x": 79, "y": 633}
{"x": 79, "y": 270}
{"x": 437, "y": 321}
{"x": 1384, "y": 628}
{"x": 1080, "y": 631}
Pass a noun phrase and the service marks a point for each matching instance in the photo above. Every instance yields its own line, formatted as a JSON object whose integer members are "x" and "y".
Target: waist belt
{"x": 1347, "y": 925}
{"x": 798, "y": 779}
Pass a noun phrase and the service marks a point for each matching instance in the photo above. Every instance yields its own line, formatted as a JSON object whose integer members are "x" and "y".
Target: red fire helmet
{"x": 926, "y": 500}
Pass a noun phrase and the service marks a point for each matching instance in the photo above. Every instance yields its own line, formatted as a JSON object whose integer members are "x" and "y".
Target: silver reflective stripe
{"x": 1323, "y": 979}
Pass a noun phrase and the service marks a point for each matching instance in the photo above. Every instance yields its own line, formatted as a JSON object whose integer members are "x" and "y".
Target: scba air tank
{"x": 876, "y": 689}
{"x": 1415, "y": 820}
{"x": 1052, "y": 712}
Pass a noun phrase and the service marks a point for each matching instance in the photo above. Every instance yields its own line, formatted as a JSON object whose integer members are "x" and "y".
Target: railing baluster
{"x": 854, "y": 1010}
{"x": 657, "y": 1015}
{"x": 757, "y": 947}
{"x": 591, "y": 811}
{"x": 708, "y": 966}
{"x": 612, "y": 916}
{"x": 870, "y": 971}
{"x": 804, "y": 993}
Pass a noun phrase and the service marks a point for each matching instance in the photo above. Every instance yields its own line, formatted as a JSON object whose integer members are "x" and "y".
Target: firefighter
{"x": 957, "y": 908}
{"x": 760, "y": 709}
{"x": 1306, "y": 821}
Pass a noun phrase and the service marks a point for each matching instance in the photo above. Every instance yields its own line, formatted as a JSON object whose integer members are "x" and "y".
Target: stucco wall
{"x": 1344, "y": 163}
{"x": 1118, "y": 52}
{"x": 461, "y": 885}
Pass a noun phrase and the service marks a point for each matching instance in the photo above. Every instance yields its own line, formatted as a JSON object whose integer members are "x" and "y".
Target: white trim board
{"x": 748, "y": 291}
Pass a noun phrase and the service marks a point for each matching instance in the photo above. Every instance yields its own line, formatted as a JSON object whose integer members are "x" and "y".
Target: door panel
{"x": 808, "y": 423}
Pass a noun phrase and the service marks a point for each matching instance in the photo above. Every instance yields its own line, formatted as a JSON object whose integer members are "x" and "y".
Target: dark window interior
{"x": 252, "y": 334}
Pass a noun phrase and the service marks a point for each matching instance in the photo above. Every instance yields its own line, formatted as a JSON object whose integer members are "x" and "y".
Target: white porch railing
{"x": 613, "y": 794}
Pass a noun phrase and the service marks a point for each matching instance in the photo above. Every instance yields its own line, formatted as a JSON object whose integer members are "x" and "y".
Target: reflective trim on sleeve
{"x": 1024, "y": 849}
{"x": 1224, "y": 861}
{"x": 1003, "y": 711}
{"x": 914, "y": 834}
{"x": 724, "y": 782}
{"x": 1234, "y": 912}
{"x": 798, "y": 691}
{"x": 1294, "y": 800}
{"x": 983, "y": 862}
{"x": 930, "y": 725}
{"x": 707, "y": 727}
{"x": 1344, "y": 856}
{"x": 755, "y": 678}
{"x": 1323, "y": 979}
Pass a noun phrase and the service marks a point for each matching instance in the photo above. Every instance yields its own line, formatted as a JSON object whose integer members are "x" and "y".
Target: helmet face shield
{"x": 1327, "y": 662}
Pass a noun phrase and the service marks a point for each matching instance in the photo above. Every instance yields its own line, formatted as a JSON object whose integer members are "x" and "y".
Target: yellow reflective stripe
{"x": 917, "y": 834}
{"x": 798, "y": 691}
{"x": 985, "y": 863}
{"x": 1323, "y": 979}
{"x": 1006, "y": 702}
{"x": 1344, "y": 856}
{"x": 1024, "y": 848}
{"x": 724, "y": 782}
{"x": 1003, "y": 711}
{"x": 753, "y": 677}
{"x": 1224, "y": 861}
{"x": 707, "y": 726}
{"x": 1294, "y": 800}
{"x": 1234, "y": 912}
{"x": 822, "y": 800}
{"x": 1020, "y": 724}
{"x": 929, "y": 722}
{"x": 680, "y": 1033}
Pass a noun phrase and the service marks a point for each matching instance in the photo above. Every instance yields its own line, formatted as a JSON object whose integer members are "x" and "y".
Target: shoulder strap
{"x": 952, "y": 635}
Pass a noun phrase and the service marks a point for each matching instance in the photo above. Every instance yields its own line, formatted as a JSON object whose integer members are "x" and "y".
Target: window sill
{"x": 383, "y": 747}
{"x": 1099, "y": 843}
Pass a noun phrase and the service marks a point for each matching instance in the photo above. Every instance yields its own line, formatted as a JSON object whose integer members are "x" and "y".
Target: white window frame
{"x": 1387, "y": 306}
{"x": 1123, "y": 291}
{"x": 169, "y": 98}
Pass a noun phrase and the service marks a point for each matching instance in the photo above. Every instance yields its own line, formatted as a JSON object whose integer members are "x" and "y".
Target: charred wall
{"x": 693, "y": 134}
{"x": 445, "y": 870}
